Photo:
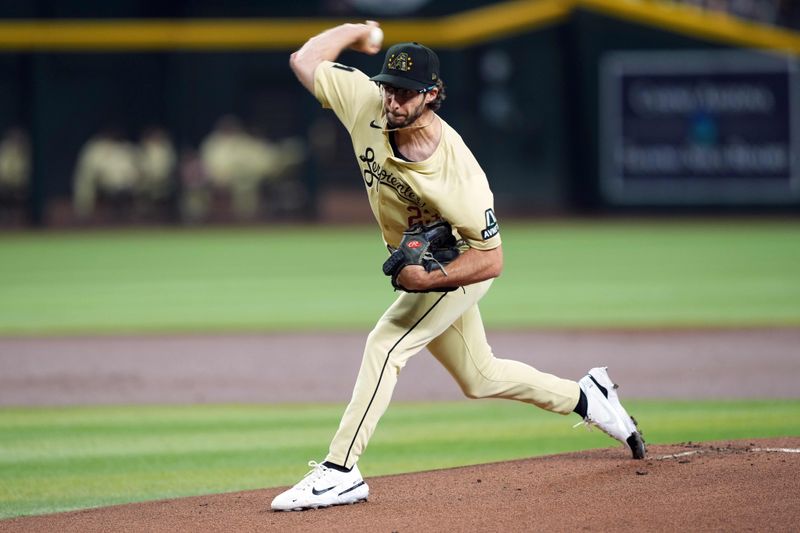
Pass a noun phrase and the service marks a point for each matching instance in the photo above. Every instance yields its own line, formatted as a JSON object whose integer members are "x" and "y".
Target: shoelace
{"x": 589, "y": 424}
{"x": 316, "y": 472}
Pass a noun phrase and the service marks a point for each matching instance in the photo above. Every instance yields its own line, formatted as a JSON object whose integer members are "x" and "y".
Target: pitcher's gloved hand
{"x": 432, "y": 247}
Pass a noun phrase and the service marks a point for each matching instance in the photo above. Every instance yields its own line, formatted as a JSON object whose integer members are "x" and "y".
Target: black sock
{"x": 334, "y": 466}
{"x": 581, "y": 407}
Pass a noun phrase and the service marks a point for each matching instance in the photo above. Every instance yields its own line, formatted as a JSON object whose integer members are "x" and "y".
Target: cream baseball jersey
{"x": 449, "y": 185}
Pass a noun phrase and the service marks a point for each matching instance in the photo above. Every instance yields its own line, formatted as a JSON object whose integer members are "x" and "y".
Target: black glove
{"x": 432, "y": 247}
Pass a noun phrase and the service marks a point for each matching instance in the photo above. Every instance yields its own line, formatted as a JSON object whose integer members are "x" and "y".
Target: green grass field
{"x": 68, "y": 458}
{"x": 726, "y": 273}
{"x": 586, "y": 274}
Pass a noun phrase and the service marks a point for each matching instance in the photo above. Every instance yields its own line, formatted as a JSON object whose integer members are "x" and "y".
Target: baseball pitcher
{"x": 435, "y": 211}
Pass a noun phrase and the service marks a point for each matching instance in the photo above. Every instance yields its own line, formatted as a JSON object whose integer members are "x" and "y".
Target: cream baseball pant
{"x": 450, "y": 325}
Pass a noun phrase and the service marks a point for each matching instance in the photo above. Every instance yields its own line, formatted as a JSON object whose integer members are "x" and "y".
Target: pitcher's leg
{"x": 388, "y": 348}
{"x": 464, "y": 352}
{"x": 406, "y": 327}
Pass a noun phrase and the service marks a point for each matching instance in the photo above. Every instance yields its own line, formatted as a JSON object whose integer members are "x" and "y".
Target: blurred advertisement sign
{"x": 699, "y": 127}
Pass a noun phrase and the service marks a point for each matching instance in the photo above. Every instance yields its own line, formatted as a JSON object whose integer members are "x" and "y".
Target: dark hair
{"x": 440, "y": 96}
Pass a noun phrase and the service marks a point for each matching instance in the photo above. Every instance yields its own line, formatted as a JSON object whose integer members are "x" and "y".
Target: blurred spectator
{"x": 239, "y": 163}
{"x": 107, "y": 167}
{"x": 157, "y": 162}
{"x": 15, "y": 164}
{"x": 195, "y": 199}
{"x": 15, "y": 169}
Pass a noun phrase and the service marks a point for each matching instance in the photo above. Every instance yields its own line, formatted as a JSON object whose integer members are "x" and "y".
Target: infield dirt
{"x": 727, "y": 486}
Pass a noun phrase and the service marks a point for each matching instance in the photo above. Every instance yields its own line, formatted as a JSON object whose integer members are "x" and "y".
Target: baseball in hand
{"x": 375, "y": 37}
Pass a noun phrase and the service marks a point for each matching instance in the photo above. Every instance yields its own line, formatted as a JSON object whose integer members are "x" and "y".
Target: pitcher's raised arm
{"x": 328, "y": 45}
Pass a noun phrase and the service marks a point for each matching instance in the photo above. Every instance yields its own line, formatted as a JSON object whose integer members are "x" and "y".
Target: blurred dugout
{"x": 524, "y": 79}
{"x": 231, "y": 177}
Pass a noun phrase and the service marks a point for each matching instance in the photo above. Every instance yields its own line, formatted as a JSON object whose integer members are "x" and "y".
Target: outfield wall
{"x": 523, "y": 83}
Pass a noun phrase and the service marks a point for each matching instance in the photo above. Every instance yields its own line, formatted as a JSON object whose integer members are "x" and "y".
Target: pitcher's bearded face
{"x": 402, "y": 106}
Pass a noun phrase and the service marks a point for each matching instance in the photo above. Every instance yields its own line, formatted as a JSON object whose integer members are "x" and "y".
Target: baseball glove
{"x": 432, "y": 246}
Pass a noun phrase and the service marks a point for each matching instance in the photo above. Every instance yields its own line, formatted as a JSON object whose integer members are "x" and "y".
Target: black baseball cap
{"x": 409, "y": 66}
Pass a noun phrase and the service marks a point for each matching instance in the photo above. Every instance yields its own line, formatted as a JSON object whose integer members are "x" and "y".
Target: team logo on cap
{"x": 401, "y": 61}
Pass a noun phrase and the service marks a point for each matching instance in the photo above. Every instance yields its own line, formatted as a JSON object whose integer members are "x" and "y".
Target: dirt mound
{"x": 731, "y": 486}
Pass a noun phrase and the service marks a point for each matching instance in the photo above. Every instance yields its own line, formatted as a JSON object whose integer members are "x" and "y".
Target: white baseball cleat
{"x": 604, "y": 410}
{"x": 323, "y": 487}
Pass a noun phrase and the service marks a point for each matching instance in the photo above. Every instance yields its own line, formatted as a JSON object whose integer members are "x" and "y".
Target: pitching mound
{"x": 726, "y": 486}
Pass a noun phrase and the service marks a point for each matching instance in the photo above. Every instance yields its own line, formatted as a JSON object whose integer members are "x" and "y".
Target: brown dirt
{"x": 728, "y": 486}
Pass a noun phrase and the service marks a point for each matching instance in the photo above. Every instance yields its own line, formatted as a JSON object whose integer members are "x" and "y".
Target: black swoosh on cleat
{"x": 316, "y": 492}
{"x": 602, "y": 389}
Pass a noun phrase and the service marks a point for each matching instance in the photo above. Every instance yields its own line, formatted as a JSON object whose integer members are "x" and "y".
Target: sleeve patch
{"x": 491, "y": 228}
{"x": 343, "y": 67}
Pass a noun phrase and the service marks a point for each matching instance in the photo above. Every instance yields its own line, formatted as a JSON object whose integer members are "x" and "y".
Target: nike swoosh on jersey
{"x": 321, "y": 491}
{"x": 376, "y": 126}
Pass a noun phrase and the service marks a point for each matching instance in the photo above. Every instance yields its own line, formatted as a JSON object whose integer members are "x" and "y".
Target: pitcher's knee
{"x": 377, "y": 346}
{"x": 475, "y": 391}
{"x": 378, "y": 353}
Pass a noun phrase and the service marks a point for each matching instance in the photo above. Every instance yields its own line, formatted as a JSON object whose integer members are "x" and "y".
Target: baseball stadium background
{"x": 188, "y": 266}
